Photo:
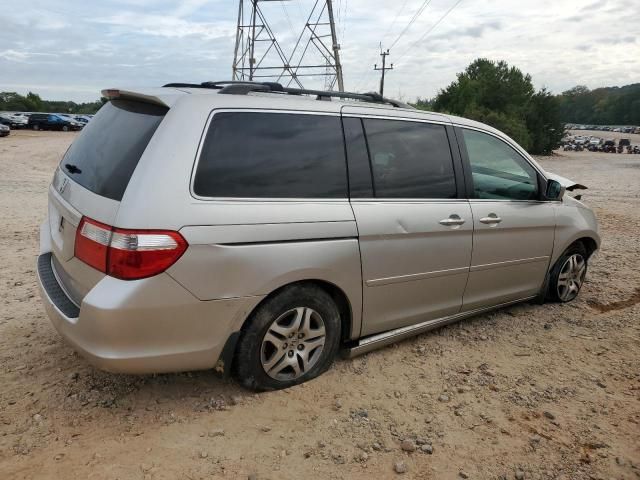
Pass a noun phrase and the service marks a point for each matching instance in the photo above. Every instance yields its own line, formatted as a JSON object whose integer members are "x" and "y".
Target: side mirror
{"x": 555, "y": 190}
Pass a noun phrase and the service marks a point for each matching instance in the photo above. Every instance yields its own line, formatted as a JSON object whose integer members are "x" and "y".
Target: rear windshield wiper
{"x": 72, "y": 168}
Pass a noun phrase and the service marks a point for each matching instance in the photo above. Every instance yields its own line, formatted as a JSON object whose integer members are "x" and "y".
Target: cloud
{"x": 165, "y": 26}
{"x": 23, "y": 56}
{"x": 597, "y": 5}
{"x": 473, "y": 31}
{"x": 618, "y": 40}
{"x": 72, "y": 49}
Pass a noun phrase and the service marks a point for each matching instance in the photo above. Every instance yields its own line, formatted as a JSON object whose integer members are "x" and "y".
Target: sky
{"x": 70, "y": 50}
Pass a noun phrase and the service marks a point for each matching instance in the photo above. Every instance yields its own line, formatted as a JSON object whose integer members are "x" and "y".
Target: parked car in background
{"x": 4, "y": 130}
{"x": 581, "y": 140}
{"x": 609, "y": 145}
{"x": 624, "y": 142}
{"x": 567, "y": 139}
{"x": 82, "y": 119}
{"x": 53, "y": 121}
{"x": 277, "y": 229}
{"x": 594, "y": 141}
{"x": 13, "y": 120}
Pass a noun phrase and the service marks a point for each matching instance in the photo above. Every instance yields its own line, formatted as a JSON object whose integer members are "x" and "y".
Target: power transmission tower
{"x": 384, "y": 68}
{"x": 259, "y": 55}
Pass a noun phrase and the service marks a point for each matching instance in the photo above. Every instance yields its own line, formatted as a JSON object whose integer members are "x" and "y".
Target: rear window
{"x": 104, "y": 156}
{"x": 272, "y": 155}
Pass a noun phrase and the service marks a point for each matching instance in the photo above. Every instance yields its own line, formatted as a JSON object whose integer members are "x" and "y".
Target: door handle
{"x": 452, "y": 221}
{"x": 492, "y": 219}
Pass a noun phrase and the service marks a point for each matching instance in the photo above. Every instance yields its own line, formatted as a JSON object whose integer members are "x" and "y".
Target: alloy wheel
{"x": 293, "y": 344}
{"x": 571, "y": 277}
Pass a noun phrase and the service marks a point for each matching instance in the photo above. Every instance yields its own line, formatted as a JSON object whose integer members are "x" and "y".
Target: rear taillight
{"x": 127, "y": 254}
{"x": 92, "y": 243}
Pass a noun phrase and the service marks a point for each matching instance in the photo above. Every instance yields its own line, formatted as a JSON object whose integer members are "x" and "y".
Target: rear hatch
{"x": 91, "y": 180}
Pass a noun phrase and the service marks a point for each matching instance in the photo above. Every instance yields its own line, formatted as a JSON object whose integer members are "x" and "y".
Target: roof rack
{"x": 243, "y": 88}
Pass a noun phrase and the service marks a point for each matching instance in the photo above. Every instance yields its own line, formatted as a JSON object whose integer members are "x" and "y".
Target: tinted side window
{"x": 498, "y": 171}
{"x": 360, "y": 184}
{"x": 410, "y": 159}
{"x": 272, "y": 155}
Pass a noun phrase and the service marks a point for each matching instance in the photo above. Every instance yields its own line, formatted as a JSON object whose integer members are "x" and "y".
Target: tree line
{"x": 31, "y": 102}
{"x": 601, "y": 106}
{"x": 505, "y": 98}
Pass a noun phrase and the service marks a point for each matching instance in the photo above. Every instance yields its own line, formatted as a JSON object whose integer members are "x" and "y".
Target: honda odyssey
{"x": 262, "y": 230}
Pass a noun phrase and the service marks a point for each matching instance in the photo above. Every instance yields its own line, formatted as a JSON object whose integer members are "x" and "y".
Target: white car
{"x": 13, "y": 120}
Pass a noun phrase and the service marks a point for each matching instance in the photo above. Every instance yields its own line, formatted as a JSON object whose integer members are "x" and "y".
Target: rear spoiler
{"x": 569, "y": 185}
{"x": 159, "y": 96}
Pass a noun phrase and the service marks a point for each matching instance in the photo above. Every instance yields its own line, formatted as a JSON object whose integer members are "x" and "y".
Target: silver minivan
{"x": 261, "y": 230}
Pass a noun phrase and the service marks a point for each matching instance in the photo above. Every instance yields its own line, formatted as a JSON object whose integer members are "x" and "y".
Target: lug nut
{"x": 300, "y": 347}
{"x": 284, "y": 346}
{"x": 290, "y": 353}
{"x": 301, "y": 335}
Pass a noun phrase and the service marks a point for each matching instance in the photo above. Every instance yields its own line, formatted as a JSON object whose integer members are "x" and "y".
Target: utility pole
{"x": 383, "y": 69}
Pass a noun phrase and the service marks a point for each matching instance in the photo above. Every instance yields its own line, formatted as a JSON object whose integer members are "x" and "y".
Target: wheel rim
{"x": 293, "y": 344}
{"x": 571, "y": 277}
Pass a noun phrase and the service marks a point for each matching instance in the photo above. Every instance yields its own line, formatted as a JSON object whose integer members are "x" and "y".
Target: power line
{"x": 394, "y": 21}
{"x": 284, "y": 9}
{"x": 415, "y": 17}
{"x": 344, "y": 19}
{"x": 429, "y": 30}
{"x": 366, "y": 75}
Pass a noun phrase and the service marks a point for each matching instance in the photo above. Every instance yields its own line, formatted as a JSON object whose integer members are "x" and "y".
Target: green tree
{"x": 33, "y": 102}
{"x": 544, "y": 123}
{"x": 601, "y": 106}
{"x": 14, "y": 102}
{"x": 503, "y": 97}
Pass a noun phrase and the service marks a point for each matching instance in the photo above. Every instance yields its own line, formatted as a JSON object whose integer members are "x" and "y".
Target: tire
{"x": 36, "y": 126}
{"x": 281, "y": 344}
{"x": 567, "y": 275}
{"x": 65, "y": 128}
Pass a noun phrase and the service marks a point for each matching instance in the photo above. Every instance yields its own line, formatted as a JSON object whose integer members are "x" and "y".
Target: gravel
{"x": 400, "y": 467}
{"x": 105, "y": 425}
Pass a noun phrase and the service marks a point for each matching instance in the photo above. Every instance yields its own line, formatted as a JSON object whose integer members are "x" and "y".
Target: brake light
{"x": 127, "y": 254}
{"x": 92, "y": 243}
{"x": 143, "y": 253}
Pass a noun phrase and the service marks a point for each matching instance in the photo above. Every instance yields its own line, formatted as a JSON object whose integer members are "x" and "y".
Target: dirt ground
{"x": 532, "y": 392}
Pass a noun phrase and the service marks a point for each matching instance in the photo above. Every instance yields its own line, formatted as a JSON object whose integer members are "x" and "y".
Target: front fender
{"x": 573, "y": 222}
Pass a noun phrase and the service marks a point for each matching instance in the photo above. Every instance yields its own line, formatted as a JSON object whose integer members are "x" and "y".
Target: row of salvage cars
{"x": 42, "y": 121}
{"x": 596, "y": 144}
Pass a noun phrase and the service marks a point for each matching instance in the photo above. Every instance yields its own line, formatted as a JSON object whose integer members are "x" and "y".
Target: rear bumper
{"x": 152, "y": 325}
